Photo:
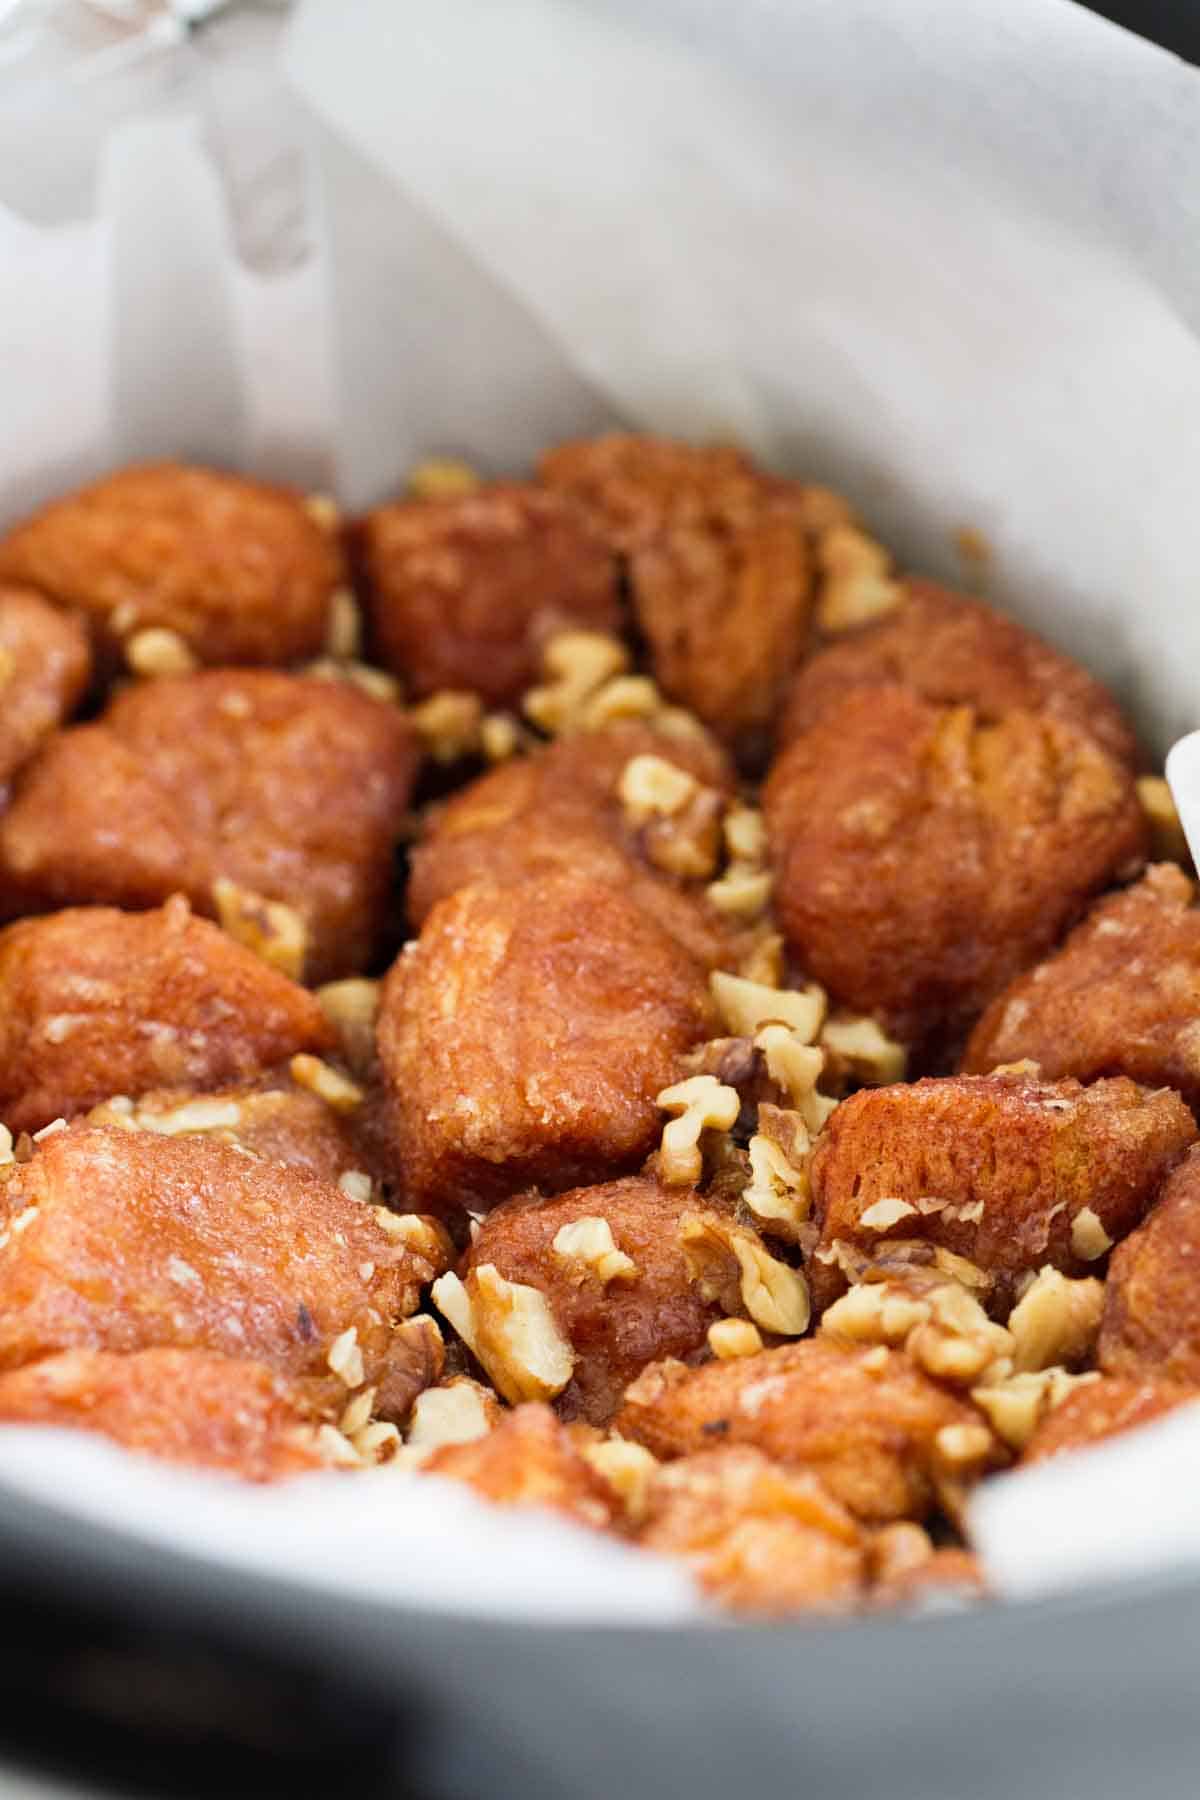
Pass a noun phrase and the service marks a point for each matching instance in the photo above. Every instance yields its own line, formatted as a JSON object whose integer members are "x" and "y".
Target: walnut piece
{"x": 701, "y": 1104}
{"x": 159, "y": 651}
{"x": 575, "y": 664}
{"x": 442, "y": 478}
{"x": 729, "y": 1339}
{"x": 1089, "y": 1240}
{"x": 1056, "y": 1320}
{"x": 449, "y": 724}
{"x": 273, "y": 931}
{"x": 778, "y": 1192}
{"x": 588, "y": 1244}
{"x": 732, "y": 1267}
{"x": 855, "y": 583}
{"x": 1017, "y": 1404}
{"x": 457, "y": 1412}
{"x": 861, "y": 1048}
{"x": 326, "y": 1082}
{"x": 746, "y": 1006}
{"x": 510, "y": 1329}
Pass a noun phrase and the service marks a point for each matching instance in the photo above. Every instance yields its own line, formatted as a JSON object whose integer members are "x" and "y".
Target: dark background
{"x": 1174, "y": 23}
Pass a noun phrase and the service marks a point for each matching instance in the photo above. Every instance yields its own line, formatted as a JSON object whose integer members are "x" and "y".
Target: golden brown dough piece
{"x": 1151, "y": 1325}
{"x": 240, "y": 570}
{"x": 618, "y": 1313}
{"x": 524, "y": 1036}
{"x": 464, "y": 592}
{"x": 560, "y": 812}
{"x": 759, "y": 1538}
{"x": 97, "y": 1002}
{"x": 954, "y": 651}
{"x": 293, "y": 789}
{"x": 1102, "y": 1409}
{"x": 530, "y": 1460}
{"x": 866, "y": 1422}
{"x": 270, "y": 1118}
{"x": 128, "y": 1241}
{"x": 1006, "y": 1170}
{"x": 45, "y": 666}
{"x": 718, "y": 565}
{"x": 923, "y": 859}
{"x": 1122, "y": 996}
{"x": 184, "y": 1406}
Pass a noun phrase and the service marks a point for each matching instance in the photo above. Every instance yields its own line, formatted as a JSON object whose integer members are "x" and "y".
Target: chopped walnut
{"x": 449, "y": 724}
{"x": 1017, "y": 1404}
{"x": 745, "y": 834}
{"x": 457, "y": 1412}
{"x": 510, "y": 1329}
{"x": 628, "y": 1470}
{"x": 324, "y": 511}
{"x": 326, "y": 1082}
{"x": 158, "y": 651}
{"x": 588, "y": 1244}
{"x": 732, "y": 1267}
{"x": 741, "y": 892}
{"x": 746, "y": 1006}
{"x": 763, "y": 962}
{"x": 885, "y": 1212}
{"x": 575, "y": 664}
{"x": 623, "y": 697}
{"x": 796, "y": 1067}
{"x": 679, "y": 818}
{"x": 442, "y": 478}
{"x": 1089, "y": 1240}
{"x": 729, "y": 1339}
{"x": 701, "y": 1104}
{"x": 1167, "y": 838}
{"x": 501, "y": 737}
{"x": 424, "y": 1237}
{"x": 940, "y": 1325}
{"x": 346, "y": 1359}
{"x": 778, "y": 1192}
{"x": 855, "y": 584}
{"x": 352, "y": 1007}
{"x": 1056, "y": 1320}
{"x": 860, "y": 1049}
{"x": 273, "y": 931}
{"x": 343, "y": 628}
{"x": 375, "y": 682}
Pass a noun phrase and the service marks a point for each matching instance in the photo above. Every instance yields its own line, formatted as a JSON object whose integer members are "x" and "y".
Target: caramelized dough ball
{"x": 464, "y": 592}
{"x": 293, "y": 789}
{"x": 524, "y": 1036}
{"x": 954, "y": 651}
{"x": 759, "y": 1538}
{"x": 239, "y": 569}
{"x": 996, "y": 1168}
{"x": 559, "y": 812}
{"x": 97, "y": 1002}
{"x": 1102, "y": 1409}
{"x": 922, "y": 859}
{"x": 529, "y": 1459}
{"x": 184, "y": 1406}
{"x": 615, "y": 1326}
{"x": 45, "y": 666}
{"x": 136, "y": 1242}
{"x": 863, "y": 1421}
{"x": 1122, "y": 996}
{"x": 271, "y": 1119}
{"x": 1151, "y": 1324}
{"x": 718, "y": 566}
